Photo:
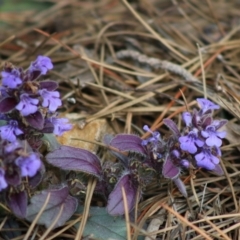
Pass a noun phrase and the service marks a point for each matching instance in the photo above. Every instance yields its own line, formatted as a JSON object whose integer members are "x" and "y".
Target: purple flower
{"x": 206, "y": 105}
{"x": 189, "y": 142}
{"x": 50, "y": 99}
{"x": 187, "y": 118}
{"x": 205, "y": 159}
{"x": 213, "y": 138}
{"x": 3, "y": 183}
{"x": 154, "y": 139}
{"x": 42, "y": 64}
{"x": 29, "y": 165}
{"x": 60, "y": 125}
{"x": 10, "y": 131}
{"x": 11, "y": 147}
{"x": 11, "y": 79}
{"x": 27, "y": 105}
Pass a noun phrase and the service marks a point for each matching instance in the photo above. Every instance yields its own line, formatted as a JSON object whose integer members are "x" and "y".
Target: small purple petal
{"x": 185, "y": 163}
{"x": 27, "y": 105}
{"x": 50, "y": 99}
{"x": 11, "y": 79}
{"x": 154, "y": 139}
{"x": 41, "y": 64}
{"x": 10, "y": 131}
{"x": 187, "y": 118}
{"x": 189, "y": 142}
{"x": 3, "y": 183}
{"x": 176, "y": 153}
{"x": 206, "y": 104}
{"x": 206, "y": 160}
{"x": 213, "y": 138}
{"x": 60, "y": 125}
{"x": 29, "y": 165}
{"x": 11, "y": 147}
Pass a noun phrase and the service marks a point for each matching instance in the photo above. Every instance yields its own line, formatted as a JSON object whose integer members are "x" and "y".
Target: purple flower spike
{"x": 189, "y": 142}
{"x": 155, "y": 136}
{"x": 3, "y": 183}
{"x": 42, "y": 64}
{"x": 11, "y": 79}
{"x": 28, "y": 165}
{"x": 206, "y": 105}
{"x": 61, "y": 125}
{"x": 10, "y": 131}
{"x": 213, "y": 138}
{"x": 50, "y": 99}
{"x": 206, "y": 160}
{"x": 27, "y": 105}
{"x": 187, "y": 118}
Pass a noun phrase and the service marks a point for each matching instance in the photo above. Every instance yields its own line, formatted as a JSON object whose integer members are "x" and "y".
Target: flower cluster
{"x": 201, "y": 138}
{"x": 28, "y": 105}
{"x": 16, "y": 163}
{"x": 197, "y": 145}
{"x": 28, "y": 108}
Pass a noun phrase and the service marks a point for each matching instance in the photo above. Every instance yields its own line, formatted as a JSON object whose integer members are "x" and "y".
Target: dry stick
{"x": 37, "y": 217}
{"x": 110, "y": 73}
{"x": 203, "y": 72}
{"x": 231, "y": 186}
{"x": 162, "y": 40}
{"x": 197, "y": 229}
{"x": 63, "y": 229}
{"x": 215, "y": 227}
{"x": 90, "y": 189}
{"x": 126, "y": 211}
{"x": 43, "y": 237}
{"x": 215, "y": 18}
{"x": 7, "y": 40}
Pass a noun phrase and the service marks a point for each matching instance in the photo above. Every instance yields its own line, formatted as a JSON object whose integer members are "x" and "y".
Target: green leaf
{"x": 23, "y": 5}
{"x": 51, "y": 142}
{"x": 103, "y": 226}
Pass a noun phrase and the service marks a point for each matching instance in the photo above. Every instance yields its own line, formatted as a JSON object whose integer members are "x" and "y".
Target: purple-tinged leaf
{"x": 35, "y": 120}
{"x": 59, "y": 199}
{"x": 49, "y": 85}
{"x": 219, "y": 123}
{"x": 76, "y": 159}
{"x": 128, "y": 142}
{"x": 35, "y": 180}
{"x": 7, "y": 104}
{"x": 13, "y": 177}
{"x": 17, "y": 202}
{"x": 48, "y": 127}
{"x": 172, "y": 126}
{"x": 181, "y": 187}
{"x": 115, "y": 204}
{"x": 169, "y": 169}
{"x": 207, "y": 121}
